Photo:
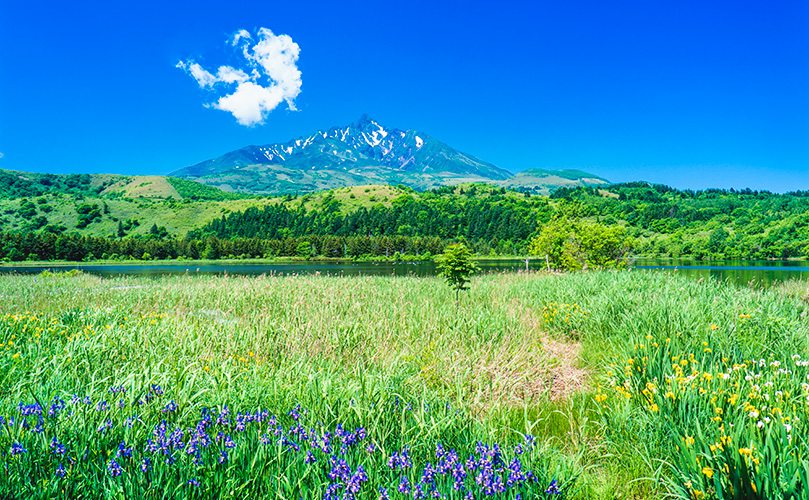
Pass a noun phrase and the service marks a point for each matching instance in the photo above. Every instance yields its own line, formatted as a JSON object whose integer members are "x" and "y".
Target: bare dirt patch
{"x": 566, "y": 377}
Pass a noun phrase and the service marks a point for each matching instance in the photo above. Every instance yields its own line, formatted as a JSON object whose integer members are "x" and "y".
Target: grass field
{"x": 594, "y": 385}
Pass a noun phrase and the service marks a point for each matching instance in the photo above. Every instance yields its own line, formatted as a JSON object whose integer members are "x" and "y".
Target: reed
{"x": 318, "y": 386}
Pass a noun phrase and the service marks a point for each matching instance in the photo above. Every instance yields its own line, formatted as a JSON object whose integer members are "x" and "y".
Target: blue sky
{"x": 689, "y": 94}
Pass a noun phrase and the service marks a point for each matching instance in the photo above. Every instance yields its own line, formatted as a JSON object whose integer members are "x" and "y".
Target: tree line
{"x": 654, "y": 220}
{"x": 72, "y": 247}
{"x": 705, "y": 224}
{"x": 491, "y": 219}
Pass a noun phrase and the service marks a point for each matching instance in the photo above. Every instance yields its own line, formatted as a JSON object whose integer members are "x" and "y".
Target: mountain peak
{"x": 365, "y": 117}
{"x": 366, "y": 122}
{"x": 364, "y": 152}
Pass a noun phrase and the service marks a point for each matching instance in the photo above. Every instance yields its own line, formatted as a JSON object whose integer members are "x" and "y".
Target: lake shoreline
{"x": 763, "y": 273}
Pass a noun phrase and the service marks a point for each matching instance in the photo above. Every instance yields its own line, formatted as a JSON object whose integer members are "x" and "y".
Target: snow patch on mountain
{"x": 364, "y": 144}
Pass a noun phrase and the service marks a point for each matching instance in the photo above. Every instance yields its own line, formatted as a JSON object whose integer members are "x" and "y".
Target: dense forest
{"x": 71, "y": 247}
{"x": 488, "y": 217}
{"x": 710, "y": 224}
{"x": 659, "y": 220}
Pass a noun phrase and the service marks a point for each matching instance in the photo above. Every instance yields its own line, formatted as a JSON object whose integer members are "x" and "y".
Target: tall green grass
{"x": 493, "y": 368}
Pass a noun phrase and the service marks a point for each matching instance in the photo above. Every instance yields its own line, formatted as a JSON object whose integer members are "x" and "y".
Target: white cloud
{"x": 271, "y": 77}
{"x": 251, "y": 102}
{"x": 1, "y": 155}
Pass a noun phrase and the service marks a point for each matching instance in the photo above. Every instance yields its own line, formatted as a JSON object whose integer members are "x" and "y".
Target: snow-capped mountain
{"x": 364, "y": 152}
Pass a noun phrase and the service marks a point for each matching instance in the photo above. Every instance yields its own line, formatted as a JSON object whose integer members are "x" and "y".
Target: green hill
{"x": 95, "y": 204}
{"x": 545, "y": 182}
{"x": 710, "y": 224}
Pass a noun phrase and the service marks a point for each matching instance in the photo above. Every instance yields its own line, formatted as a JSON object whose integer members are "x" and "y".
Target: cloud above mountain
{"x": 269, "y": 77}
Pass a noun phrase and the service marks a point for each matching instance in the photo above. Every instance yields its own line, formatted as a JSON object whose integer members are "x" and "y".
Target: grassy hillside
{"x": 95, "y": 204}
{"x": 545, "y": 182}
{"x": 59, "y": 213}
{"x": 662, "y": 221}
{"x": 15, "y": 184}
{"x": 273, "y": 179}
{"x": 179, "y": 205}
{"x": 350, "y": 199}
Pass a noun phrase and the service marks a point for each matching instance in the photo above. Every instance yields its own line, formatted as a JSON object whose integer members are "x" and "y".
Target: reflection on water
{"x": 759, "y": 272}
{"x": 256, "y": 269}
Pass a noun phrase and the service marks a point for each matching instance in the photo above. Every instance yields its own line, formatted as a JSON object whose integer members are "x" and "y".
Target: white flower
{"x": 754, "y": 414}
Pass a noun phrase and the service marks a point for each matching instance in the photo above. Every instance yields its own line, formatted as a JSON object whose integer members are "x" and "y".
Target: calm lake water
{"x": 763, "y": 272}
{"x": 760, "y": 272}
{"x": 255, "y": 269}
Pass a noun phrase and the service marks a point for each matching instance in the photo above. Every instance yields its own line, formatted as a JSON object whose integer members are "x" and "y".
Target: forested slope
{"x": 368, "y": 221}
{"x": 713, "y": 223}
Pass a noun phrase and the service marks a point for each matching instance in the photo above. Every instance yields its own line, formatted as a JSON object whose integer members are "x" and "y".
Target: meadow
{"x": 614, "y": 384}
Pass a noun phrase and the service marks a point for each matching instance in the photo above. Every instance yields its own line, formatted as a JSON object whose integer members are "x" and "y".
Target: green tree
{"x": 209, "y": 253}
{"x": 304, "y": 249}
{"x": 456, "y": 265}
{"x": 576, "y": 244}
{"x": 717, "y": 239}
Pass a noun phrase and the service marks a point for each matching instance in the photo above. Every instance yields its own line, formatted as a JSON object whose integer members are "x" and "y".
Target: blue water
{"x": 255, "y": 269}
{"x": 742, "y": 272}
{"x": 763, "y": 272}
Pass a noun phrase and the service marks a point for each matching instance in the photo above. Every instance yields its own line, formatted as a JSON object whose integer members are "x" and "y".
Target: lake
{"x": 760, "y": 272}
{"x": 253, "y": 268}
{"x": 763, "y": 272}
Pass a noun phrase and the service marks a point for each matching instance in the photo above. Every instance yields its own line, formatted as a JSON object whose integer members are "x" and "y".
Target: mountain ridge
{"x": 364, "y": 143}
{"x": 363, "y": 152}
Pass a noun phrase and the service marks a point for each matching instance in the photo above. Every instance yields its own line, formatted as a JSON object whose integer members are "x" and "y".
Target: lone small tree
{"x": 456, "y": 265}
